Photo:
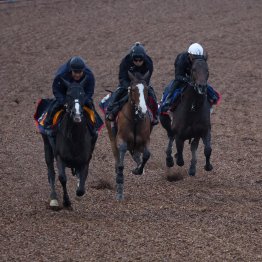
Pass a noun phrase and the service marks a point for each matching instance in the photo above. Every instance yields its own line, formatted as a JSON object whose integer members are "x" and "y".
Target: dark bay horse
{"x": 72, "y": 146}
{"x": 133, "y": 130}
{"x": 191, "y": 119}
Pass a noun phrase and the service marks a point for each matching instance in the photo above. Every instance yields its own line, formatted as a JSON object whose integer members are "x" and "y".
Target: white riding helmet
{"x": 196, "y": 49}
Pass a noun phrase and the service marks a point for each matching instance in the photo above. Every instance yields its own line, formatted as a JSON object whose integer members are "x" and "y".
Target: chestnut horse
{"x": 191, "y": 119}
{"x": 133, "y": 128}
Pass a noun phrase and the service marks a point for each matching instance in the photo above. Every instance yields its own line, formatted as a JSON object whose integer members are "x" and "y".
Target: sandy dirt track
{"x": 215, "y": 216}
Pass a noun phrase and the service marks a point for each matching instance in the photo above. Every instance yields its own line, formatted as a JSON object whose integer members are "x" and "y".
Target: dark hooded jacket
{"x": 128, "y": 65}
{"x": 59, "y": 88}
{"x": 182, "y": 65}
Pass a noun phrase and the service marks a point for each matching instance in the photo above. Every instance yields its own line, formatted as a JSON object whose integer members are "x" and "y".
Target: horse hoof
{"x": 191, "y": 173}
{"x": 180, "y": 162}
{"x": 169, "y": 162}
{"x": 80, "y": 192}
{"x": 119, "y": 197}
{"x": 137, "y": 171}
{"x": 208, "y": 167}
{"x": 67, "y": 204}
{"x": 54, "y": 203}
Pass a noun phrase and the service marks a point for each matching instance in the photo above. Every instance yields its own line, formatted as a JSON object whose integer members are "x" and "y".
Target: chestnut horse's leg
{"x": 140, "y": 169}
{"x": 137, "y": 158}
{"x": 120, "y": 168}
{"x": 113, "y": 142}
{"x": 179, "y": 154}
{"x": 194, "y": 146}
{"x": 207, "y": 150}
{"x": 49, "y": 158}
{"x": 63, "y": 179}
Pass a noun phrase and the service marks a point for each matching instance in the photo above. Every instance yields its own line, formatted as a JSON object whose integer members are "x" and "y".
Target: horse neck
{"x": 190, "y": 97}
{"x": 72, "y": 130}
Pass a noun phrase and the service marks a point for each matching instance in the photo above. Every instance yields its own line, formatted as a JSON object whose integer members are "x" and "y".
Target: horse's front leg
{"x": 63, "y": 180}
{"x": 179, "y": 154}
{"x": 137, "y": 158}
{"x": 194, "y": 146}
{"x": 82, "y": 174}
{"x": 120, "y": 170}
{"x": 49, "y": 159}
{"x": 207, "y": 150}
{"x": 140, "y": 169}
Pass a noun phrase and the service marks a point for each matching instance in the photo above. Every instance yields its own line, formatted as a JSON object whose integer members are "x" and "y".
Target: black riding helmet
{"x": 77, "y": 63}
{"x": 138, "y": 51}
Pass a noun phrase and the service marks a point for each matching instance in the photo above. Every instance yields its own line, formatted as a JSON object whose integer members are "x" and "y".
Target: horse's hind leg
{"x": 139, "y": 170}
{"x": 119, "y": 172}
{"x": 194, "y": 146}
{"x": 49, "y": 158}
{"x": 179, "y": 154}
{"x": 82, "y": 175}
{"x": 169, "y": 157}
{"x": 63, "y": 180}
{"x": 208, "y": 150}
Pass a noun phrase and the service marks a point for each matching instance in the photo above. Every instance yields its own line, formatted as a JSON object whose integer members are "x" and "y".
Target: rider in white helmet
{"x": 183, "y": 64}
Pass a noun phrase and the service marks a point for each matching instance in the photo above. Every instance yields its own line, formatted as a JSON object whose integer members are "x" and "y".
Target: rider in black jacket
{"x": 136, "y": 61}
{"x": 74, "y": 70}
{"x": 183, "y": 64}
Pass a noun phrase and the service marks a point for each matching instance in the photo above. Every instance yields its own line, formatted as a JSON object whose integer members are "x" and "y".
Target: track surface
{"x": 215, "y": 216}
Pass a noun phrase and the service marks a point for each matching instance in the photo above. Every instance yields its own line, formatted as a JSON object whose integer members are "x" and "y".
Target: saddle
{"x": 151, "y": 106}
{"x": 94, "y": 120}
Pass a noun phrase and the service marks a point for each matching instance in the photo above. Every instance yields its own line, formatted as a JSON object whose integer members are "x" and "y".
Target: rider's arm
{"x": 59, "y": 90}
{"x": 124, "y": 80}
{"x": 89, "y": 86}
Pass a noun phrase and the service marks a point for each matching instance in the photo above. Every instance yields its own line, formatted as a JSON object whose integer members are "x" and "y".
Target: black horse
{"x": 191, "y": 119}
{"x": 72, "y": 146}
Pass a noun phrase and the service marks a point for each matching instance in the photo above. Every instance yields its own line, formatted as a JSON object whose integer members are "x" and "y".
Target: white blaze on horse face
{"x": 77, "y": 107}
{"x": 77, "y": 117}
{"x": 142, "y": 102}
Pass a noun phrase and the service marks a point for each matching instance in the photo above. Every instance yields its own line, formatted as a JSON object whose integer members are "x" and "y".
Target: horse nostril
{"x": 77, "y": 119}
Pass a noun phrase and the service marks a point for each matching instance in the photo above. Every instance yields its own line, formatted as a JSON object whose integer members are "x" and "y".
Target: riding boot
{"x": 154, "y": 107}
{"x": 113, "y": 106}
{"x": 212, "y": 95}
{"x": 169, "y": 98}
{"x": 53, "y": 109}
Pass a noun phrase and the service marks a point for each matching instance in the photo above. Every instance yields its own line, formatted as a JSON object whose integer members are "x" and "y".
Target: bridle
{"x": 200, "y": 89}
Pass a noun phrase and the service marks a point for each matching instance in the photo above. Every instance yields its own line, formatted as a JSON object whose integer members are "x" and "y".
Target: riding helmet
{"x": 195, "y": 49}
{"x": 77, "y": 63}
{"x": 138, "y": 51}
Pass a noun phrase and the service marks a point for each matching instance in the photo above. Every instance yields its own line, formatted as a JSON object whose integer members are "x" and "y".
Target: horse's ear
{"x": 146, "y": 76}
{"x": 205, "y": 55}
{"x": 131, "y": 76}
{"x": 67, "y": 83}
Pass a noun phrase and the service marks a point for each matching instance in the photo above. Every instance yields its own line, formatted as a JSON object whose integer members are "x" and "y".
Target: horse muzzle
{"x": 77, "y": 119}
{"x": 139, "y": 113}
